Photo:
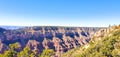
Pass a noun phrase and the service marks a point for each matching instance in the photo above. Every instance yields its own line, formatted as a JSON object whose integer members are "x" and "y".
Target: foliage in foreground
{"x": 108, "y": 46}
{"x": 26, "y": 52}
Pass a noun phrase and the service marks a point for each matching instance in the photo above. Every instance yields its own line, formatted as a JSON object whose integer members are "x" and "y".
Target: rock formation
{"x": 61, "y": 39}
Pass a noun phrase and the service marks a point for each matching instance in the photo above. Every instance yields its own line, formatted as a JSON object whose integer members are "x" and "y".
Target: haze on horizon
{"x": 90, "y": 13}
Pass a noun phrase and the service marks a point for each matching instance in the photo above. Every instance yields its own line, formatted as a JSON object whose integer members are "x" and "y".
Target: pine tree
{"x": 47, "y": 53}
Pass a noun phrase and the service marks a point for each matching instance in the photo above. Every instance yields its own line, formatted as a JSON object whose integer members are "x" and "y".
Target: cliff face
{"x": 61, "y": 39}
{"x": 104, "y": 43}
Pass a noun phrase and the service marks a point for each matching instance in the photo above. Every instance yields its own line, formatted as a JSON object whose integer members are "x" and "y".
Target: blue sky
{"x": 91, "y": 13}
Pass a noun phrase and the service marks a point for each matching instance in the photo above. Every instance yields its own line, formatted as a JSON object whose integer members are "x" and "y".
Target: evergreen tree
{"x": 26, "y": 53}
{"x": 47, "y": 53}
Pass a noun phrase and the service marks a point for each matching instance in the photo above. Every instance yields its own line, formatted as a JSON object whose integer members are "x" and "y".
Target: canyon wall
{"x": 61, "y": 39}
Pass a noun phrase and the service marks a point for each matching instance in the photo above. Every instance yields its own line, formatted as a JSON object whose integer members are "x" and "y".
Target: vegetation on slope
{"x": 26, "y": 52}
{"x": 108, "y": 46}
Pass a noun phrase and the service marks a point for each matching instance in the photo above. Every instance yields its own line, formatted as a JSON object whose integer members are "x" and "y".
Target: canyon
{"x": 60, "y": 39}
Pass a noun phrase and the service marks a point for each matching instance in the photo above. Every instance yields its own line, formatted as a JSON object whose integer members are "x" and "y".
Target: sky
{"x": 90, "y": 13}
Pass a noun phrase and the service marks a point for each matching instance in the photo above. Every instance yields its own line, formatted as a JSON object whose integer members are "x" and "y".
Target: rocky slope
{"x": 105, "y": 43}
{"x": 38, "y": 38}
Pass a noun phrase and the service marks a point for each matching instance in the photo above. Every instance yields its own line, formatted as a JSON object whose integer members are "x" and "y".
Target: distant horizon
{"x": 55, "y": 26}
{"x": 79, "y": 13}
